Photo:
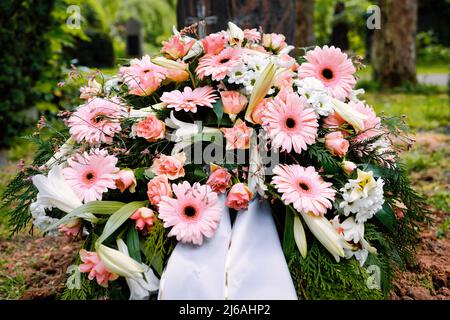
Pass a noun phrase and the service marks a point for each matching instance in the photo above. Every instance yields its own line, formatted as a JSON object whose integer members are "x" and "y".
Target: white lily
{"x": 65, "y": 149}
{"x": 195, "y": 50}
{"x": 326, "y": 234}
{"x": 55, "y": 191}
{"x": 186, "y": 133}
{"x": 140, "y": 289}
{"x": 260, "y": 89}
{"x": 300, "y": 237}
{"x": 353, "y": 117}
{"x": 236, "y": 34}
{"x": 120, "y": 263}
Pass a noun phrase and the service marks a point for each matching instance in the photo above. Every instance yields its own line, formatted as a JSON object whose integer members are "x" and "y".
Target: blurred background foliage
{"x": 30, "y": 73}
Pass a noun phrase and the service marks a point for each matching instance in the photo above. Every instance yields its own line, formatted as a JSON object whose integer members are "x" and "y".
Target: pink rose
{"x": 238, "y": 137}
{"x": 233, "y": 102}
{"x": 336, "y": 144}
{"x": 157, "y": 187}
{"x": 214, "y": 43}
{"x": 259, "y": 110}
{"x": 151, "y": 128}
{"x": 172, "y": 166}
{"x": 274, "y": 41}
{"x": 239, "y": 197}
{"x": 144, "y": 218}
{"x": 348, "y": 166}
{"x": 71, "y": 228}
{"x": 219, "y": 179}
{"x": 126, "y": 180}
{"x": 176, "y": 48}
{"x": 96, "y": 268}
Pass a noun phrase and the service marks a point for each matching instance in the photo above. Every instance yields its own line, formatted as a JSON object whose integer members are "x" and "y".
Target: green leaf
{"x": 288, "y": 237}
{"x": 118, "y": 218}
{"x": 218, "y": 110}
{"x": 387, "y": 217}
{"x": 93, "y": 207}
{"x": 133, "y": 244}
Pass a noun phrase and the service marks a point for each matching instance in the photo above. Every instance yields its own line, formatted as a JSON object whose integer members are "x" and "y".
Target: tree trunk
{"x": 394, "y": 48}
{"x": 304, "y": 33}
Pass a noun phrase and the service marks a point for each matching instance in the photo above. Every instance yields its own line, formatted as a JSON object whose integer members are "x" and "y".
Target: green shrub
{"x": 25, "y": 55}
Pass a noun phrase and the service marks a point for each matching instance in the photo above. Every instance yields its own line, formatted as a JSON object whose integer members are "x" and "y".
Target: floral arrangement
{"x": 129, "y": 172}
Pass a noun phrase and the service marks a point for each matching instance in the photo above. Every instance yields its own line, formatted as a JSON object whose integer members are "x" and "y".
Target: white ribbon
{"x": 198, "y": 272}
{"x": 245, "y": 262}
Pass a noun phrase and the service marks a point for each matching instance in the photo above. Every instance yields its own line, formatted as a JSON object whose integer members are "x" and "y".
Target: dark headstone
{"x": 134, "y": 38}
{"x": 273, "y": 16}
{"x": 339, "y": 34}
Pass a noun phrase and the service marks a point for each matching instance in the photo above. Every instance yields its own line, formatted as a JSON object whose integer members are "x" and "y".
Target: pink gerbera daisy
{"x": 142, "y": 76}
{"x": 289, "y": 124}
{"x": 195, "y": 213}
{"x": 331, "y": 66}
{"x": 304, "y": 188}
{"x": 218, "y": 66}
{"x": 91, "y": 174}
{"x": 189, "y": 99}
{"x": 96, "y": 122}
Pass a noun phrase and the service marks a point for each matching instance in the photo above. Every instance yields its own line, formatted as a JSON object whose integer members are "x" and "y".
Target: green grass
{"x": 422, "y": 68}
{"x": 425, "y": 112}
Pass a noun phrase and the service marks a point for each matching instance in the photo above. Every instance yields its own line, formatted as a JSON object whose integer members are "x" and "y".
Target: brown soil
{"x": 430, "y": 278}
{"x": 42, "y": 262}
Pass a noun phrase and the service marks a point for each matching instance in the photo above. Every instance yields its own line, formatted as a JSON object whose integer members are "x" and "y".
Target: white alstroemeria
{"x": 353, "y": 117}
{"x": 140, "y": 289}
{"x": 316, "y": 94}
{"x": 260, "y": 89}
{"x": 350, "y": 230}
{"x": 61, "y": 155}
{"x": 120, "y": 263}
{"x": 363, "y": 196}
{"x": 55, "y": 191}
{"x": 300, "y": 237}
{"x": 236, "y": 35}
{"x": 362, "y": 253}
{"x": 324, "y": 231}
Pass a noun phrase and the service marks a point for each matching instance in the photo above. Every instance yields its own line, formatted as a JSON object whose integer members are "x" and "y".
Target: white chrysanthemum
{"x": 363, "y": 196}
{"x": 249, "y": 81}
{"x": 256, "y": 63}
{"x": 238, "y": 74}
{"x": 316, "y": 94}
